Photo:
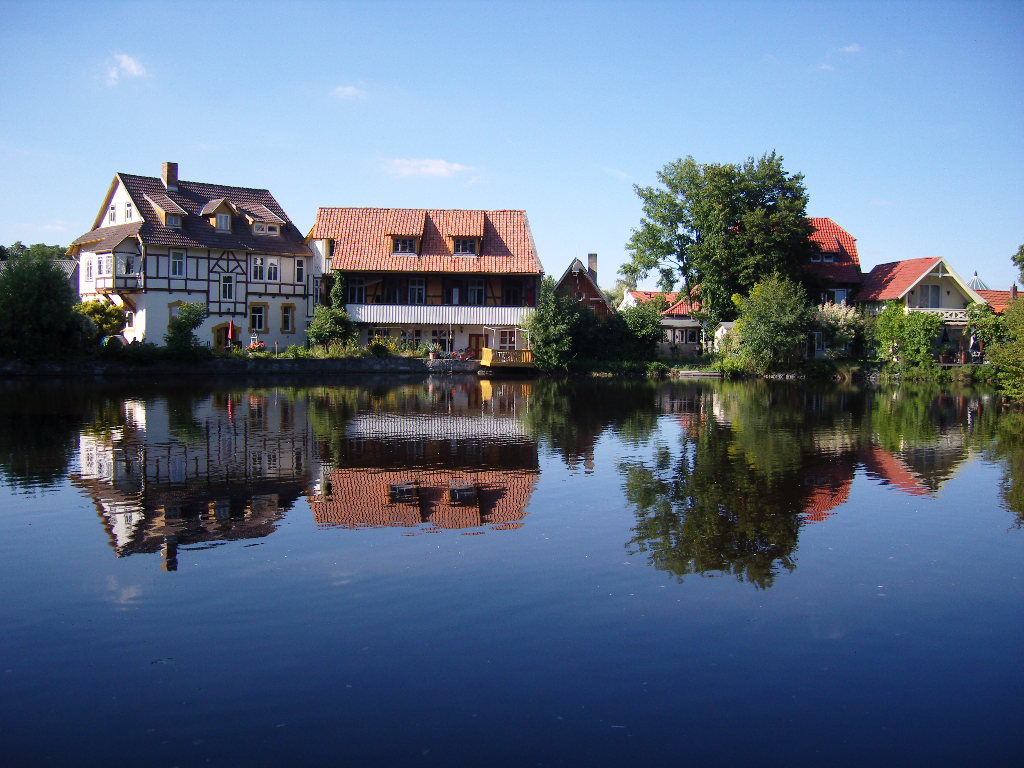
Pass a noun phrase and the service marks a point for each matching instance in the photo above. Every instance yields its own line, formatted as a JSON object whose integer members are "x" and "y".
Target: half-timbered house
{"x": 157, "y": 243}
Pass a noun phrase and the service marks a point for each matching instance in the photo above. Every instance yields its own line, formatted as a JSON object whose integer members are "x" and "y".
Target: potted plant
{"x": 433, "y": 350}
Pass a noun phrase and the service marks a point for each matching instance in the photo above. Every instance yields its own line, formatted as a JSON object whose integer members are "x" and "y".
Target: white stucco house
{"x": 159, "y": 242}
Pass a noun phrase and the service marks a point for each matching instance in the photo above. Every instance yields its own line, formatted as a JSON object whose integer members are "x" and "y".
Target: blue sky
{"x": 906, "y": 119}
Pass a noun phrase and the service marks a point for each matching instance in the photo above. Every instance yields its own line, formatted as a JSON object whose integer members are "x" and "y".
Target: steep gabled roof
{"x": 362, "y": 240}
{"x": 840, "y": 262}
{"x": 641, "y": 297}
{"x": 105, "y": 239}
{"x": 188, "y": 201}
{"x": 683, "y": 308}
{"x": 577, "y": 269}
{"x": 890, "y": 281}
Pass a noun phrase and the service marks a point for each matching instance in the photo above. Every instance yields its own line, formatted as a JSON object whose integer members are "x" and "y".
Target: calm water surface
{"x": 452, "y": 572}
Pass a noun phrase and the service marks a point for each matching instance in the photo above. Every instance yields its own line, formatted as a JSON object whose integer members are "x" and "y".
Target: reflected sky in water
{"x": 450, "y": 572}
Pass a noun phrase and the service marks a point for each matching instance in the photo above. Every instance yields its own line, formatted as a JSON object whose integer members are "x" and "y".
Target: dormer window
{"x": 405, "y": 245}
{"x": 829, "y": 257}
{"x": 265, "y": 228}
{"x": 223, "y": 222}
{"x": 816, "y": 256}
{"x": 173, "y": 220}
{"x": 465, "y": 246}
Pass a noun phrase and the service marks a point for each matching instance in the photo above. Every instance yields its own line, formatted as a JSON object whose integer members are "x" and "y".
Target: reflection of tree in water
{"x": 569, "y": 416}
{"x": 711, "y": 510}
{"x": 1008, "y": 447}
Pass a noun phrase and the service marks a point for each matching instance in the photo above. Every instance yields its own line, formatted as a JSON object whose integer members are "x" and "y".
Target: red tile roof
{"x": 884, "y": 466}
{"x": 362, "y": 240}
{"x": 892, "y": 280}
{"x": 644, "y": 296}
{"x": 998, "y": 300}
{"x": 838, "y": 245}
{"x": 683, "y": 308}
{"x": 148, "y": 192}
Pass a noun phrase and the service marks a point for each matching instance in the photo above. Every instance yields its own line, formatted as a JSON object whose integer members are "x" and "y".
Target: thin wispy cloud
{"x": 124, "y": 66}
{"x": 851, "y": 48}
{"x": 404, "y": 167}
{"x": 55, "y": 226}
{"x": 346, "y": 92}
{"x": 844, "y": 50}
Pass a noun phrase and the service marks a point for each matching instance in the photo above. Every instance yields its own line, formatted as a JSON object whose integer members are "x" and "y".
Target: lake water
{"x": 453, "y": 572}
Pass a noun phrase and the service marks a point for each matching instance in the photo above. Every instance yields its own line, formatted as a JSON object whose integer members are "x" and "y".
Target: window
{"x": 104, "y": 265}
{"x": 287, "y": 318}
{"x": 112, "y": 215}
{"x": 465, "y": 247}
{"x": 177, "y": 263}
{"x": 692, "y": 335}
{"x": 227, "y": 287}
{"x": 273, "y": 274}
{"x": 417, "y": 290}
{"x": 300, "y": 270}
{"x": 88, "y": 269}
{"x": 816, "y": 255}
{"x": 442, "y": 338}
{"x": 263, "y": 228}
{"x": 476, "y": 293}
{"x": 929, "y": 297}
{"x": 129, "y": 319}
{"x": 835, "y": 295}
{"x": 256, "y": 317}
{"x": 378, "y": 333}
{"x": 356, "y": 291}
{"x": 405, "y": 245}
{"x": 828, "y": 257}
{"x": 173, "y": 220}
{"x": 506, "y": 338}
{"x": 257, "y": 268}
{"x": 127, "y": 211}
{"x": 512, "y": 293}
{"x": 223, "y": 222}
{"x": 129, "y": 264}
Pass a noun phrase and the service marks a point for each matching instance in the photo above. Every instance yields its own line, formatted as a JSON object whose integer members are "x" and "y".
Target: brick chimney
{"x": 169, "y": 174}
{"x": 592, "y": 265}
{"x": 1013, "y": 291}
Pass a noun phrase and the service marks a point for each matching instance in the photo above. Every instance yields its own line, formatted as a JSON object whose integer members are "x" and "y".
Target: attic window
{"x": 174, "y": 220}
{"x": 112, "y": 215}
{"x": 816, "y": 256}
{"x": 463, "y": 494}
{"x": 265, "y": 228}
{"x": 465, "y": 246}
{"x": 403, "y": 493}
{"x": 404, "y": 245}
{"x": 829, "y": 257}
{"x": 223, "y": 222}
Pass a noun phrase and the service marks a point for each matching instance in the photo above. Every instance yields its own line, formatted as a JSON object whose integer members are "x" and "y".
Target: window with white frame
{"x": 273, "y": 272}
{"x": 417, "y": 290}
{"x": 300, "y": 271}
{"x": 356, "y": 289}
{"x": 404, "y": 245}
{"x": 223, "y": 222}
{"x": 692, "y": 335}
{"x": 264, "y": 228}
{"x": 287, "y": 318}
{"x": 442, "y": 338}
{"x": 227, "y": 287}
{"x": 257, "y": 268}
{"x": 104, "y": 265}
{"x": 828, "y": 257}
{"x": 173, "y": 220}
{"x": 127, "y": 211}
{"x": 257, "y": 317}
{"x": 929, "y": 296}
{"x": 129, "y": 319}
{"x": 88, "y": 269}
{"x": 112, "y": 215}
{"x": 177, "y": 263}
{"x": 506, "y": 338}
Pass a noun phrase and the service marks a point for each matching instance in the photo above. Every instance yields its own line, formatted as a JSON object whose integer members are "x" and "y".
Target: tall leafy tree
{"x": 36, "y": 315}
{"x": 722, "y": 227}
{"x": 1018, "y": 259}
{"x": 773, "y": 324}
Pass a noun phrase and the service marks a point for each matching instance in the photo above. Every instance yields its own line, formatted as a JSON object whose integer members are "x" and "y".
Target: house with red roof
{"x": 461, "y": 279}
{"x": 678, "y": 320}
{"x": 157, "y": 243}
{"x": 836, "y": 266}
{"x": 924, "y": 285}
{"x": 579, "y": 283}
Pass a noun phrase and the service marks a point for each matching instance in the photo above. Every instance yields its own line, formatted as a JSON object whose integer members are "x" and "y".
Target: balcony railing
{"x": 513, "y": 358}
{"x": 958, "y": 316}
{"x": 435, "y": 314}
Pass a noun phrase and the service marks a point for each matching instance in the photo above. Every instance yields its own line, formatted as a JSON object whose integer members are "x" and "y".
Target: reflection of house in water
{"x": 196, "y": 471}
{"x": 465, "y": 463}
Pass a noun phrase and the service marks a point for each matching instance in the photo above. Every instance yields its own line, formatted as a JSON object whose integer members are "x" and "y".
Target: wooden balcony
{"x": 951, "y": 316}
{"x": 506, "y": 358}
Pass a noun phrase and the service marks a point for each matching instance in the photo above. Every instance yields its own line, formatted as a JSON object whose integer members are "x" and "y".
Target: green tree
{"x": 108, "y": 318}
{"x": 644, "y": 324}
{"x": 1018, "y": 259}
{"x": 773, "y": 324}
{"x": 36, "y": 315}
{"x": 181, "y": 328}
{"x": 905, "y": 338}
{"x": 722, "y": 227}
{"x": 332, "y": 324}
{"x": 553, "y": 326}
{"x": 1007, "y": 355}
{"x": 37, "y": 249}
{"x": 840, "y": 323}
